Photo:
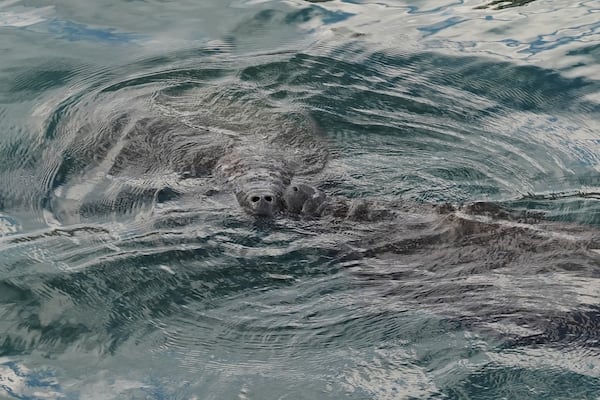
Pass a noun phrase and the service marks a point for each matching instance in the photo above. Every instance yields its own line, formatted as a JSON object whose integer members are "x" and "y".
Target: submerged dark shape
{"x": 438, "y": 257}
{"x": 118, "y": 159}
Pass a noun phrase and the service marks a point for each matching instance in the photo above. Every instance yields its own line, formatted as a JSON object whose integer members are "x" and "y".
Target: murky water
{"x": 128, "y": 270}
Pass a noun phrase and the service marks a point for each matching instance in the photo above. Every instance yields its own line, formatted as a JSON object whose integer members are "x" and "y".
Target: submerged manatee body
{"x": 117, "y": 151}
{"x": 512, "y": 274}
{"x": 117, "y": 154}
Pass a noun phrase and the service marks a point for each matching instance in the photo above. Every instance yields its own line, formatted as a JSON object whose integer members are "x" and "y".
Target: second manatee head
{"x": 303, "y": 199}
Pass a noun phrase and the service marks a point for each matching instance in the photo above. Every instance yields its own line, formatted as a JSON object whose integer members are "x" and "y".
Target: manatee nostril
{"x": 295, "y": 188}
{"x": 269, "y": 198}
{"x": 254, "y": 199}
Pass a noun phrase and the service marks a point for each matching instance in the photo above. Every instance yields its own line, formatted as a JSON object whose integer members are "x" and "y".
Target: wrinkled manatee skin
{"x": 257, "y": 181}
{"x": 303, "y": 199}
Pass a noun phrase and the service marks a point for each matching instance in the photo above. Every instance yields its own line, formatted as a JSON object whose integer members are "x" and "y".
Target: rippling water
{"x": 128, "y": 270}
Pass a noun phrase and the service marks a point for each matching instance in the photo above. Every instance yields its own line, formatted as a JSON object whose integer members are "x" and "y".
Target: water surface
{"x": 135, "y": 283}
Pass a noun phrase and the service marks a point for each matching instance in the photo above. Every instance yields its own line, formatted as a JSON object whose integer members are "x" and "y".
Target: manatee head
{"x": 303, "y": 199}
{"x": 261, "y": 200}
{"x": 259, "y": 178}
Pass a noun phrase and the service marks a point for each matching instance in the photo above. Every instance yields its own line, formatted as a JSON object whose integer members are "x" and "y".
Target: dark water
{"x": 125, "y": 275}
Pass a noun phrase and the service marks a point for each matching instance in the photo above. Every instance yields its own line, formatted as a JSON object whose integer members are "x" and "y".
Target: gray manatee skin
{"x": 307, "y": 201}
{"x": 122, "y": 148}
{"x": 257, "y": 169}
{"x": 258, "y": 182}
{"x": 247, "y": 149}
{"x": 304, "y": 199}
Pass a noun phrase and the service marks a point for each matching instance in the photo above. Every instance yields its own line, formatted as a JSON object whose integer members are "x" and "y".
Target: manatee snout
{"x": 268, "y": 200}
{"x": 261, "y": 203}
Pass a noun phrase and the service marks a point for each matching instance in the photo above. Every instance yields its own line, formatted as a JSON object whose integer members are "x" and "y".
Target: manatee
{"x": 435, "y": 256}
{"x": 112, "y": 153}
{"x": 304, "y": 199}
{"x": 308, "y": 201}
{"x": 257, "y": 180}
{"x": 117, "y": 156}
